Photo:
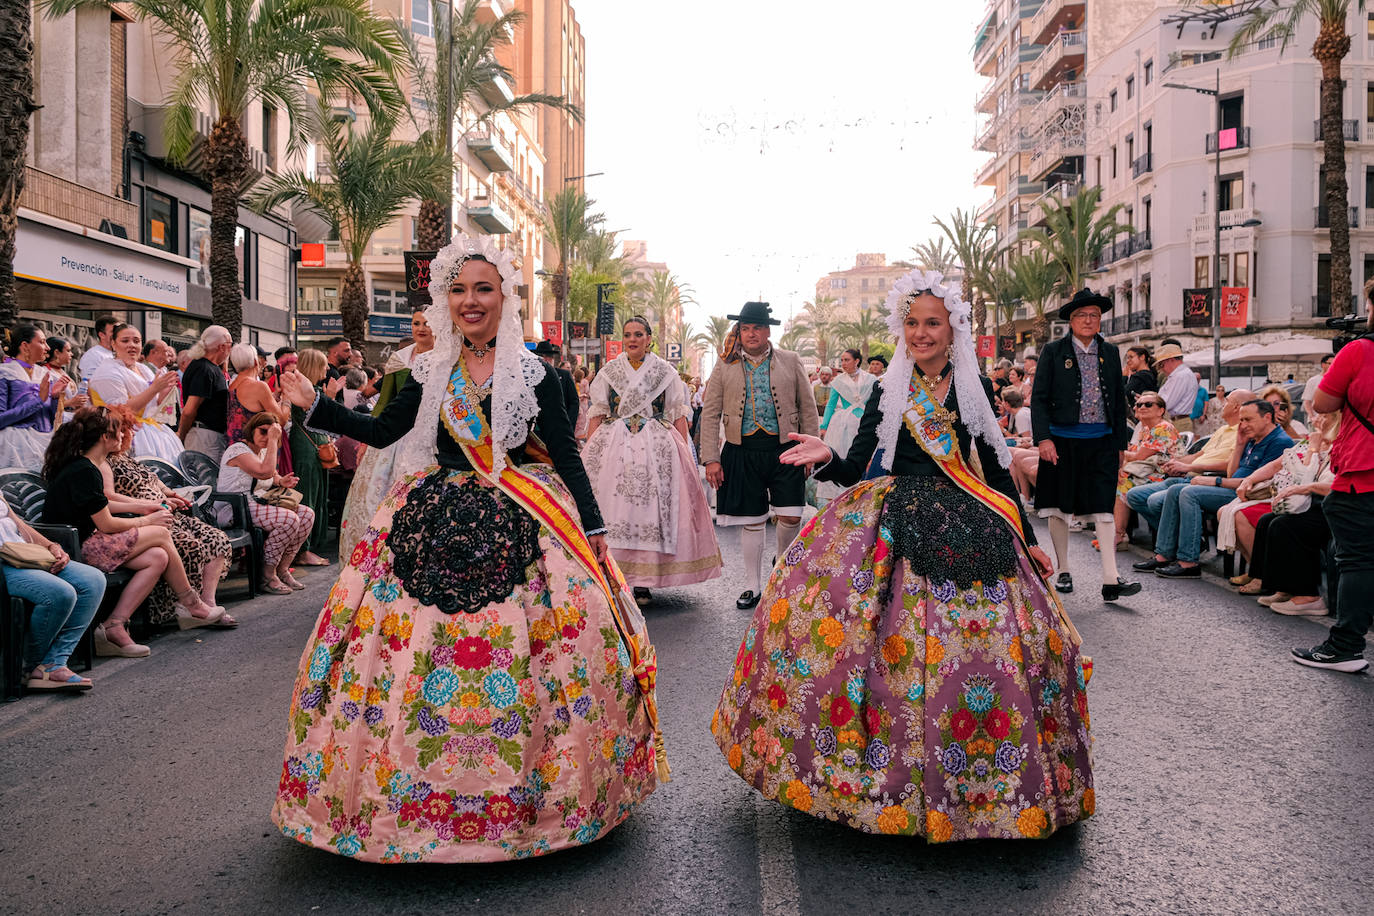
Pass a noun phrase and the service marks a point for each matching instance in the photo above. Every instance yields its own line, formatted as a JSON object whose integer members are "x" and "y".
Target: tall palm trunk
{"x": 227, "y": 164}
{"x": 16, "y": 104}
{"x": 432, "y": 221}
{"x": 353, "y": 306}
{"x": 1330, "y": 49}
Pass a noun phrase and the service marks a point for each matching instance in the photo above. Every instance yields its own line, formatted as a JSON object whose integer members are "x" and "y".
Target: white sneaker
{"x": 1291, "y": 609}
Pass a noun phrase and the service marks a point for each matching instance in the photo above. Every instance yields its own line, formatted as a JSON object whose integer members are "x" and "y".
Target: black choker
{"x": 480, "y": 352}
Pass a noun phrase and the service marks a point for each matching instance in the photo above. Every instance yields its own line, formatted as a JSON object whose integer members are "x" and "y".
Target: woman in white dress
{"x": 849, "y": 393}
{"x": 125, "y": 380}
{"x": 30, "y": 399}
{"x": 642, "y": 471}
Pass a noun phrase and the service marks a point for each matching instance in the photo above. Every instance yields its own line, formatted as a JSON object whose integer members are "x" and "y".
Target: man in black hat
{"x": 1078, "y": 420}
{"x": 550, "y": 353}
{"x": 877, "y": 365}
{"x": 761, "y": 394}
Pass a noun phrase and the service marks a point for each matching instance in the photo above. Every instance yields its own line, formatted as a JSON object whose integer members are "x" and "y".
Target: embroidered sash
{"x": 932, "y": 426}
{"x": 98, "y": 401}
{"x": 462, "y": 415}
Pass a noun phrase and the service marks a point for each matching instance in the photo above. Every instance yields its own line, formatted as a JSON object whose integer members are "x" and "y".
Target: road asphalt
{"x": 1229, "y": 780}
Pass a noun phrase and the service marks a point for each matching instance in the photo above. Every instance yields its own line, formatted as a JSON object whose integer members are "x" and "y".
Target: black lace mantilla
{"x": 946, "y": 534}
{"x": 458, "y": 546}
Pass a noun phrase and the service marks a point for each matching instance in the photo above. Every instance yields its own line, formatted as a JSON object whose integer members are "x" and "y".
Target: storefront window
{"x": 389, "y": 302}
{"x": 243, "y": 253}
{"x": 317, "y": 298}
{"x": 198, "y": 225}
{"x": 159, "y": 228}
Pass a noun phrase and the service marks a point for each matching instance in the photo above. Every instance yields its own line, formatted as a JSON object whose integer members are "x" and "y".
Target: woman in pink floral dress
{"x": 468, "y": 694}
{"x": 908, "y": 671}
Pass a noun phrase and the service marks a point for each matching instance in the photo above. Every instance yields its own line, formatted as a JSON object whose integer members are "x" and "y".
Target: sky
{"x": 758, "y": 145}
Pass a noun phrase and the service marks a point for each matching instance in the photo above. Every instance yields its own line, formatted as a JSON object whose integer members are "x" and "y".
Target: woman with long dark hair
{"x": 76, "y": 497}
{"x": 1140, "y": 374}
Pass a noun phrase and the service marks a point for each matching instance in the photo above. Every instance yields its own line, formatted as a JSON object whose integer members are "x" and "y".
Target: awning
{"x": 1298, "y": 347}
{"x": 1201, "y": 359}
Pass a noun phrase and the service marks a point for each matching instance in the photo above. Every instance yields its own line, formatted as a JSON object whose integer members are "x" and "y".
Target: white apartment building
{"x": 1152, "y": 148}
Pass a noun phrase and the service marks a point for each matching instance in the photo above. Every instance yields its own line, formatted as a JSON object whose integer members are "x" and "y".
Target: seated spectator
{"x": 255, "y": 459}
{"x": 1154, "y": 442}
{"x": 76, "y": 497}
{"x": 30, "y": 400}
{"x": 1283, "y": 411}
{"x": 65, "y": 599}
{"x": 1018, "y": 415}
{"x": 1284, "y": 536}
{"x": 125, "y": 380}
{"x": 248, "y": 394}
{"x": 354, "y": 381}
{"x": 1179, "y": 539}
{"x": 59, "y": 358}
{"x": 133, "y": 489}
{"x": 1148, "y": 499}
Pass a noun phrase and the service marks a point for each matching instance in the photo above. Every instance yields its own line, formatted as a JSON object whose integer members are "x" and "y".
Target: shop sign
{"x": 45, "y": 254}
{"x": 322, "y": 323}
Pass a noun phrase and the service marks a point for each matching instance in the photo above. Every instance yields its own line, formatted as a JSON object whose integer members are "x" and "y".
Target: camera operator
{"x": 1348, "y": 387}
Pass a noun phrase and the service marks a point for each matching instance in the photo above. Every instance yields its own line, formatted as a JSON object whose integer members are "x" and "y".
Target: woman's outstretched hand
{"x": 809, "y": 450}
{"x": 297, "y": 389}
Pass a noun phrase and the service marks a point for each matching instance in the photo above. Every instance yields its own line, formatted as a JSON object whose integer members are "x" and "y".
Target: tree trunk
{"x": 980, "y": 316}
{"x": 353, "y": 306}
{"x": 1330, "y": 49}
{"x": 1040, "y": 329}
{"x": 432, "y": 222}
{"x": 227, "y": 165}
{"x": 16, "y": 104}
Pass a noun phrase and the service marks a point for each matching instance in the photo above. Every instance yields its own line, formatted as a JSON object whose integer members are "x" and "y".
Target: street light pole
{"x": 1216, "y": 249}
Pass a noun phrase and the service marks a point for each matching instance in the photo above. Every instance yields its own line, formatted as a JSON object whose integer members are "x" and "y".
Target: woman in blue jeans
{"x": 65, "y": 600}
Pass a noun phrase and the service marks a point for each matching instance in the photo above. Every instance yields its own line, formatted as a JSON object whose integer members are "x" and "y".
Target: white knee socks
{"x": 751, "y": 545}
{"x": 1059, "y": 536}
{"x": 787, "y": 533}
{"x": 1106, "y": 543}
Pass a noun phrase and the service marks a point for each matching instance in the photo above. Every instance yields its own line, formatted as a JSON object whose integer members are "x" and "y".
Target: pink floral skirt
{"x": 107, "y": 552}
{"x": 420, "y": 736}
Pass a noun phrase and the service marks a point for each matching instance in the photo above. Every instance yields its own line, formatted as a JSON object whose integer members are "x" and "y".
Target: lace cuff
{"x": 310, "y": 412}
{"x": 595, "y": 531}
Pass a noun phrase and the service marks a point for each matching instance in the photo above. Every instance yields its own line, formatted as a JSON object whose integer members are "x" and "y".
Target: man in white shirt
{"x": 1179, "y": 389}
{"x": 1310, "y": 390}
{"x": 93, "y": 357}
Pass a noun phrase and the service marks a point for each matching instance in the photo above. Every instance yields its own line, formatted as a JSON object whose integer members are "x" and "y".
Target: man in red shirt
{"x": 1348, "y": 386}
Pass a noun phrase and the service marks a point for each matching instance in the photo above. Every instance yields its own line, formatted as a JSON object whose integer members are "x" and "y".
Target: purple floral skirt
{"x": 107, "y": 552}
{"x": 894, "y": 702}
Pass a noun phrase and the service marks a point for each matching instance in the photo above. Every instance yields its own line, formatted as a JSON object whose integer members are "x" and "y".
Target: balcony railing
{"x": 1046, "y": 156}
{"x": 1138, "y": 321}
{"x": 1063, "y": 95}
{"x": 1351, "y": 130}
{"x": 1143, "y": 165}
{"x": 1202, "y": 222}
{"x": 1231, "y": 138}
{"x": 1049, "y": 11}
{"x": 1064, "y": 45}
{"x": 1322, "y": 217}
{"x": 987, "y": 139}
{"x": 1117, "y": 324}
{"x": 1141, "y": 242}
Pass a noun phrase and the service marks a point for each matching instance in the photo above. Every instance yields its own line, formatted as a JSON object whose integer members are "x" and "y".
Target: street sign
{"x": 674, "y": 352}
{"x": 312, "y": 254}
{"x": 577, "y": 330}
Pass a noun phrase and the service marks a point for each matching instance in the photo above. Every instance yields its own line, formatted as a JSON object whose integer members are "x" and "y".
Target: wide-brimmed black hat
{"x": 1084, "y": 297}
{"x": 544, "y": 348}
{"x": 755, "y": 313}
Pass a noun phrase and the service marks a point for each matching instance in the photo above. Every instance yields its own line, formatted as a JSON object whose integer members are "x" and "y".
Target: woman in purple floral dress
{"x": 908, "y": 671}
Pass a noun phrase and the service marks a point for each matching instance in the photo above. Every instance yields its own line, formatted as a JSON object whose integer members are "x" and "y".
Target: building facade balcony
{"x": 1063, "y": 96}
{"x": 1231, "y": 138}
{"x": 987, "y": 101}
{"x": 1322, "y": 217}
{"x": 487, "y": 214}
{"x": 1140, "y": 242}
{"x": 1065, "y": 52}
{"x": 1139, "y": 320}
{"x": 490, "y": 151}
{"x": 1052, "y": 16}
{"x": 1349, "y": 129}
{"x": 1202, "y": 222}
{"x": 496, "y": 90}
{"x": 1048, "y": 155}
{"x": 1064, "y": 190}
{"x": 985, "y": 43}
{"x": 1143, "y": 165}
{"x": 987, "y": 139}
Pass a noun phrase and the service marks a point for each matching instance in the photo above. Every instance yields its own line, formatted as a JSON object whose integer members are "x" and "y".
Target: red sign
{"x": 1235, "y": 306}
{"x": 612, "y": 349}
{"x": 987, "y": 346}
{"x": 553, "y": 332}
{"x": 312, "y": 254}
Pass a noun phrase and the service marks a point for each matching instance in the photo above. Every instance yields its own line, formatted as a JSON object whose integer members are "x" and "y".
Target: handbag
{"x": 329, "y": 455}
{"x": 282, "y": 497}
{"x": 1141, "y": 470}
{"x": 23, "y": 555}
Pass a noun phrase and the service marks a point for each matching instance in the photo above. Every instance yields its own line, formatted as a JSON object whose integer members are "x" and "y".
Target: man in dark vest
{"x": 1078, "y": 419}
{"x": 550, "y": 353}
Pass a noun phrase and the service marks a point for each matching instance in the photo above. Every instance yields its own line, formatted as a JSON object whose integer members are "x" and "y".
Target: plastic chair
{"x": 241, "y": 531}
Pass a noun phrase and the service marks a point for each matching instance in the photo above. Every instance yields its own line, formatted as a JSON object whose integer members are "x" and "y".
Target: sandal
{"x": 58, "y": 677}
{"x": 105, "y": 647}
{"x": 188, "y": 619}
{"x": 225, "y": 622}
{"x": 290, "y": 582}
{"x": 1253, "y": 587}
{"x": 278, "y": 588}
{"x": 1242, "y": 579}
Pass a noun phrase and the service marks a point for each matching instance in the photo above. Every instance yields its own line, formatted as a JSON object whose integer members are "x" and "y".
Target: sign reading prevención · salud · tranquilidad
{"x": 45, "y": 254}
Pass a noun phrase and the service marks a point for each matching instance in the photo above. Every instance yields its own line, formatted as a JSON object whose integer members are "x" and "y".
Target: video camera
{"x": 1350, "y": 327}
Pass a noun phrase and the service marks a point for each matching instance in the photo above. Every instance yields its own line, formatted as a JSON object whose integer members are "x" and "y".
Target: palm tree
{"x": 17, "y": 104}
{"x": 373, "y": 178}
{"x": 974, "y": 246}
{"x": 1033, "y": 277}
{"x": 568, "y": 225}
{"x": 798, "y": 338}
{"x": 1075, "y": 234}
{"x": 822, "y": 318}
{"x": 475, "y": 46}
{"x": 597, "y": 254}
{"x": 1282, "y": 20}
{"x": 717, "y": 329}
{"x": 228, "y": 54}
{"x": 935, "y": 255}
{"x": 666, "y": 295}
{"x": 871, "y": 326}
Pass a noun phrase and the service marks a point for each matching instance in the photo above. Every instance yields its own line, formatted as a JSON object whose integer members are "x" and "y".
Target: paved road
{"x": 1229, "y": 781}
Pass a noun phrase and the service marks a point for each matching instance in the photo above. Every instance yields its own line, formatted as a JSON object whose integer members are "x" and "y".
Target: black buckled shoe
{"x": 1064, "y": 584}
{"x": 1121, "y": 589}
{"x": 1151, "y": 564}
{"x": 1179, "y": 571}
{"x": 748, "y": 601}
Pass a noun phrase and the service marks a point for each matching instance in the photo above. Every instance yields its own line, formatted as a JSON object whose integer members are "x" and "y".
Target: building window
{"x": 1113, "y": 161}
{"x": 159, "y": 226}
{"x": 1130, "y": 148}
{"x": 317, "y": 298}
{"x": 389, "y": 301}
{"x": 1232, "y": 112}
{"x": 1149, "y": 72}
{"x": 1111, "y": 96}
{"x": 1224, "y": 269}
{"x": 198, "y": 239}
{"x": 1232, "y": 192}
{"x": 1323, "y": 303}
{"x": 269, "y": 135}
{"x": 1130, "y": 87}
{"x": 243, "y": 253}
{"x": 1369, "y": 103}
{"x": 1200, "y": 273}
{"x": 1267, "y": 42}
{"x": 1242, "y": 277}
{"x": 1371, "y": 26}
{"x": 1368, "y": 267}
{"x": 421, "y": 22}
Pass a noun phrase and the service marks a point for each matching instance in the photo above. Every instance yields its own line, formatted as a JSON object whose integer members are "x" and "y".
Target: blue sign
{"x": 328, "y": 324}
{"x": 388, "y": 327}
{"x": 324, "y": 323}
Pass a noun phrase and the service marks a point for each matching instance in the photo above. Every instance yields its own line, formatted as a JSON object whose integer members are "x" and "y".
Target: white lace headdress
{"x": 974, "y": 409}
{"x": 516, "y": 372}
